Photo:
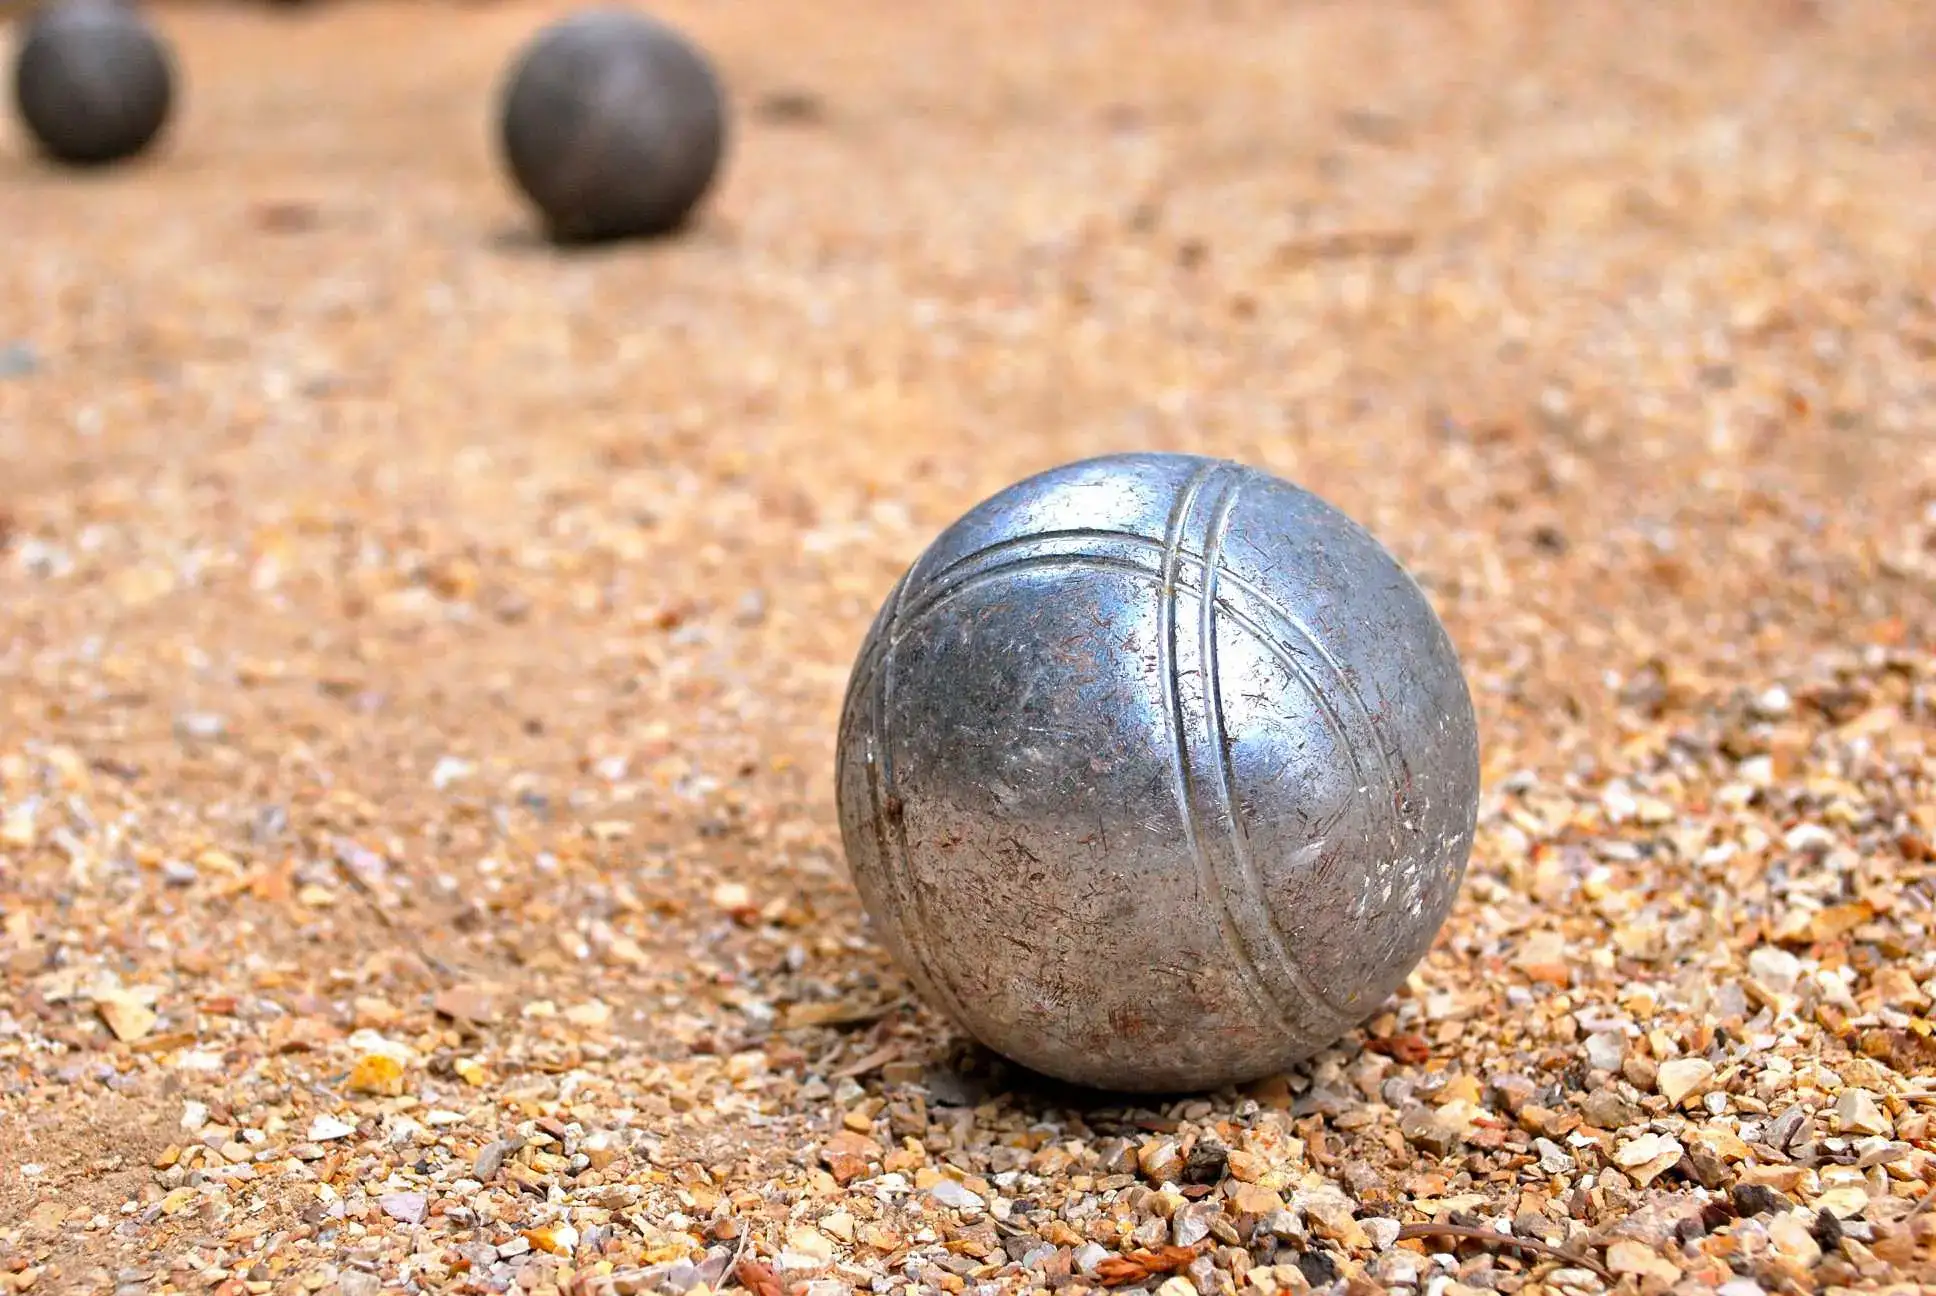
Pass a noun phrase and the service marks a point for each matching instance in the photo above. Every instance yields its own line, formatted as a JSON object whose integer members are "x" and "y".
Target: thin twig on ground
{"x": 1470, "y": 1233}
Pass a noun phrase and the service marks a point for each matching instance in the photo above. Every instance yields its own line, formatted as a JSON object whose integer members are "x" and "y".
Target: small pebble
{"x": 324, "y": 1128}
{"x": 1190, "y": 1225}
{"x": 202, "y": 726}
{"x": 1757, "y": 1199}
{"x": 1382, "y": 1231}
{"x": 1774, "y": 968}
{"x": 1677, "y": 1078}
{"x": 1088, "y": 1256}
{"x": 490, "y": 1158}
{"x": 409, "y": 1207}
{"x": 956, "y": 1196}
{"x": 1606, "y": 1050}
{"x": 18, "y": 359}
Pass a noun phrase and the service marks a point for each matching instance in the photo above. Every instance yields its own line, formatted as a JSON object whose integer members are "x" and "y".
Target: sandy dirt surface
{"x": 420, "y": 651}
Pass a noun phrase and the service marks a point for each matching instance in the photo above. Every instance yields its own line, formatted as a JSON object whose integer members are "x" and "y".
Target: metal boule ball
{"x": 92, "y": 81}
{"x": 613, "y": 125}
{"x": 1157, "y": 773}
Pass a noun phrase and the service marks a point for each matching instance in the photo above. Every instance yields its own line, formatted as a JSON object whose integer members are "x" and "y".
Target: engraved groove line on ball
{"x": 1228, "y": 921}
{"x": 1260, "y": 913}
{"x": 942, "y": 581}
{"x": 1169, "y": 676}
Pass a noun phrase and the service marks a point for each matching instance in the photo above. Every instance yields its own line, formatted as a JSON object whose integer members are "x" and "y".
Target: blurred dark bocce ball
{"x": 613, "y": 125}
{"x": 92, "y": 80}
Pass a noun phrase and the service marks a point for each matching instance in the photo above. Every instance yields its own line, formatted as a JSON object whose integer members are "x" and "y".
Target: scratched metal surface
{"x": 1157, "y": 772}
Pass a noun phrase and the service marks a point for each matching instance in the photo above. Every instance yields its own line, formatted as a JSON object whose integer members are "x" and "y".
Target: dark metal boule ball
{"x": 93, "y": 81}
{"x": 613, "y": 124}
{"x": 1157, "y": 773}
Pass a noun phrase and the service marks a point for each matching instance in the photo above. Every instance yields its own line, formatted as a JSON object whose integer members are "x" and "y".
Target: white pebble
{"x": 325, "y": 1128}
{"x": 956, "y": 1196}
{"x": 1775, "y": 968}
{"x": 1606, "y": 1050}
{"x": 1088, "y": 1256}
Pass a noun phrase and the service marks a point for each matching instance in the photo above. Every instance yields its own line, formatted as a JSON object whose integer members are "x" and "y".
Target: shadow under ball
{"x": 1157, "y": 773}
{"x": 93, "y": 82}
{"x": 613, "y": 125}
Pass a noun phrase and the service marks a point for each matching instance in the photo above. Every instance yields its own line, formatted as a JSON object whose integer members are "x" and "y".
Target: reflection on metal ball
{"x": 1157, "y": 773}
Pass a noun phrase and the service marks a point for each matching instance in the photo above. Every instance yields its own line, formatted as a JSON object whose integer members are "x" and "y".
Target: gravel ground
{"x": 421, "y": 654}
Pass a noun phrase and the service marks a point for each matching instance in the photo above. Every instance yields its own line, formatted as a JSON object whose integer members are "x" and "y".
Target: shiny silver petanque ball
{"x": 1157, "y": 773}
{"x": 613, "y": 125}
{"x": 92, "y": 81}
